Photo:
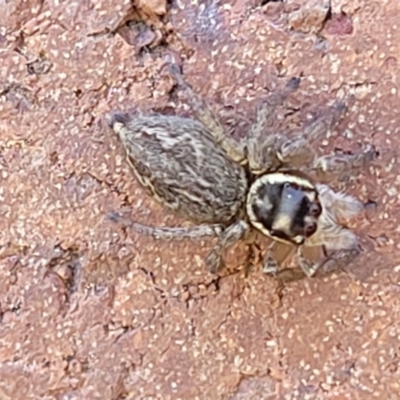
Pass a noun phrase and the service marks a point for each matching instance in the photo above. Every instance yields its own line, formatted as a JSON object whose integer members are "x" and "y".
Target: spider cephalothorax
{"x": 284, "y": 206}
{"x": 228, "y": 187}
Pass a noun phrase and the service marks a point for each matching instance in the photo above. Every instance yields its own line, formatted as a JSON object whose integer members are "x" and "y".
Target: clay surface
{"x": 90, "y": 310}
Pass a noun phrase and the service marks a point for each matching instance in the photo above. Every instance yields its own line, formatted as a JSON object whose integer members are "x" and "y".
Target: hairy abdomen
{"x": 182, "y": 166}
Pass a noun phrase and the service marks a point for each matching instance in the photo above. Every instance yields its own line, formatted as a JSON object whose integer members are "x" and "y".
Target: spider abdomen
{"x": 179, "y": 162}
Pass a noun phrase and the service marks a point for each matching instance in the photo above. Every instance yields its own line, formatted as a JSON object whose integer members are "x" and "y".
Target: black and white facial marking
{"x": 284, "y": 207}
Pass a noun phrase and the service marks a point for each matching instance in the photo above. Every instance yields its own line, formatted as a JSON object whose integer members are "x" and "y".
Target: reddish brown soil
{"x": 90, "y": 311}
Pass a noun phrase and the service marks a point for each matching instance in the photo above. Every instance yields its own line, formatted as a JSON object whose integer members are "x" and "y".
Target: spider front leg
{"x": 337, "y": 260}
{"x": 308, "y": 266}
{"x": 336, "y": 166}
{"x": 340, "y": 245}
{"x": 311, "y": 269}
{"x": 274, "y": 259}
{"x": 277, "y": 253}
{"x": 205, "y": 115}
{"x": 231, "y": 235}
{"x": 338, "y": 206}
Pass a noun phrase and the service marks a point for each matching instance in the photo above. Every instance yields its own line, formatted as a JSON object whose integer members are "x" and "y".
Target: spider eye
{"x": 315, "y": 210}
{"x": 310, "y": 229}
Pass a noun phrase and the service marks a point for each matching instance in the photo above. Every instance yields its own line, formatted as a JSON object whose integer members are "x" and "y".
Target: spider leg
{"x": 308, "y": 266}
{"x": 297, "y": 151}
{"x": 277, "y": 253}
{"x": 334, "y": 262}
{"x": 231, "y": 235}
{"x": 205, "y": 115}
{"x": 337, "y": 261}
{"x": 337, "y": 206}
{"x": 340, "y": 245}
{"x": 288, "y": 275}
{"x": 261, "y": 146}
{"x": 169, "y": 233}
{"x": 267, "y": 108}
{"x": 272, "y": 264}
{"x": 337, "y": 165}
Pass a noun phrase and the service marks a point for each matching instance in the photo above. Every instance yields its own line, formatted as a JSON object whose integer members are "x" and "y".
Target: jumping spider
{"x": 228, "y": 187}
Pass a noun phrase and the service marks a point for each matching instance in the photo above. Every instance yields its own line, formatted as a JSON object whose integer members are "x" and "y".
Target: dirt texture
{"x": 90, "y": 310}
